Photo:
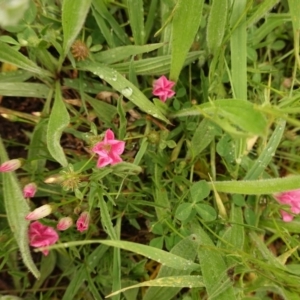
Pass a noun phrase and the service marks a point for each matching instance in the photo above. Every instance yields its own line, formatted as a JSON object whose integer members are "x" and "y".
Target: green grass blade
{"x": 189, "y": 281}
{"x": 294, "y": 6}
{"x": 24, "y": 89}
{"x": 136, "y": 20}
{"x": 168, "y": 259}
{"x": 267, "y": 154}
{"x": 186, "y": 22}
{"x": 238, "y": 47}
{"x": 14, "y": 57}
{"x": 258, "y": 187}
{"x": 59, "y": 119}
{"x": 126, "y": 88}
{"x": 216, "y": 24}
{"x": 73, "y": 18}
{"x": 16, "y": 209}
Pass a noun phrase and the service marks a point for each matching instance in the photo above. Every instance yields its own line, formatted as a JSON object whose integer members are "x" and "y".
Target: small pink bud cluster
{"x": 292, "y": 199}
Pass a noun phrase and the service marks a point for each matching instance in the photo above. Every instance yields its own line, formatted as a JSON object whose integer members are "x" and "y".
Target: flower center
{"x": 107, "y": 147}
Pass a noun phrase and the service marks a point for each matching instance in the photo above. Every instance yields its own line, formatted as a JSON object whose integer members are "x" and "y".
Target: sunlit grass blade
{"x": 238, "y": 47}
{"x": 189, "y": 281}
{"x": 16, "y": 209}
{"x": 267, "y": 154}
{"x": 125, "y": 87}
{"x": 216, "y": 24}
{"x": 258, "y": 187}
{"x": 59, "y": 119}
{"x": 25, "y": 89}
{"x": 136, "y": 20}
{"x": 73, "y": 18}
{"x": 14, "y": 57}
{"x": 185, "y": 24}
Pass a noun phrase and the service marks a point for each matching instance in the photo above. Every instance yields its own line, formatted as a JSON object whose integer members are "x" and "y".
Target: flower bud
{"x": 11, "y": 165}
{"x": 40, "y": 212}
{"x": 57, "y": 178}
{"x": 83, "y": 221}
{"x": 29, "y": 190}
{"x": 64, "y": 223}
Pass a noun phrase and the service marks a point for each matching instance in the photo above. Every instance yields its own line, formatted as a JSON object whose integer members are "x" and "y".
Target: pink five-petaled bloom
{"x": 10, "y": 165}
{"x": 83, "y": 221}
{"x": 162, "y": 87}
{"x": 109, "y": 150}
{"x": 292, "y": 199}
{"x": 64, "y": 223}
{"x": 29, "y": 190}
{"x": 41, "y": 236}
{"x": 40, "y": 212}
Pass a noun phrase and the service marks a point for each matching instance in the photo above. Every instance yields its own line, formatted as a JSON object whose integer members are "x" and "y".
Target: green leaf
{"x": 216, "y": 24}
{"x": 14, "y": 57}
{"x": 186, "y": 22}
{"x": 136, "y": 20}
{"x": 199, "y": 190}
{"x": 73, "y": 18}
{"x": 183, "y": 211}
{"x": 294, "y": 7}
{"x": 16, "y": 210}
{"x": 206, "y": 212}
{"x": 59, "y": 119}
{"x": 258, "y": 187}
{"x": 189, "y": 281}
{"x": 125, "y": 87}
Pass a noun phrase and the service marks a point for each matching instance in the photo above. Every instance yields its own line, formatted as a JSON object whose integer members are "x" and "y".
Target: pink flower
{"x": 64, "y": 223}
{"x": 29, "y": 190}
{"x": 83, "y": 221}
{"x": 292, "y": 199}
{"x": 42, "y": 236}
{"x": 162, "y": 87}
{"x": 109, "y": 150}
{"x": 40, "y": 212}
{"x": 10, "y": 165}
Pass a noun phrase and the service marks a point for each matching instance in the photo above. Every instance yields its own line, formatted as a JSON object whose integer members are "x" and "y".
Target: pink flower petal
{"x": 109, "y": 135}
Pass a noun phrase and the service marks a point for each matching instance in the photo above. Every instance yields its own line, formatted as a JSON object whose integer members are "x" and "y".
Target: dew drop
{"x": 127, "y": 92}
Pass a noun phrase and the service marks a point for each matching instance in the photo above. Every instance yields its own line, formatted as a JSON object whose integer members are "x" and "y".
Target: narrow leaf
{"x": 59, "y": 119}
{"x": 73, "y": 18}
{"x": 136, "y": 20}
{"x": 16, "y": 209}
{"x": 216, "y": 24}
{"x": 186, "y": 22}
{"x": 125, "y": 87}
{"x": 188, "y": 281}
{"x": 258, "y": 187}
